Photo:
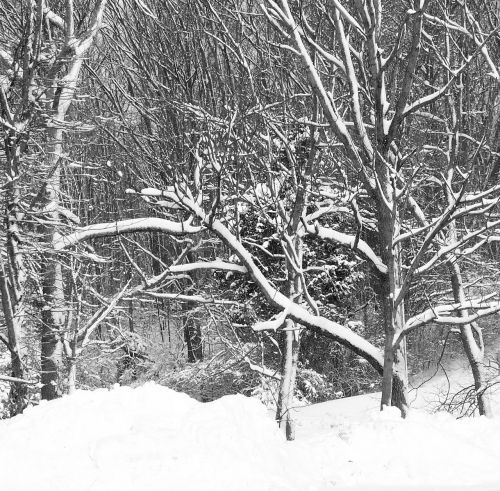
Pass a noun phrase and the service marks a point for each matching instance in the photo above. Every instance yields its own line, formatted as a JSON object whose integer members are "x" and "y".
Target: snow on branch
{"x": 190, "y": 298}
{"x": 267, "y": 372}
{"x": 442, "y": 314}
{"x": 446, "y": 250}
{"x": 332, "y": 115}
{"x": 16, "y": 380}
{"x": 218, "y": 265}
{"x": 168, "y": 198}
{"x": 121, "y": 227}
{"x": 278, "y": 300}
{"x": 54, "y": 19}
{"x": 85, "y": 40}
{"x": 273, "y": 324}
{"x": 94, "y": 322}
{"x": 348, "y": 17}
{"x": 179, "y": 269}
{"x": 362, "y": 248}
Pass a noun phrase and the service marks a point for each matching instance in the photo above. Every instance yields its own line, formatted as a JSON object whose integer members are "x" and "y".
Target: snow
{"x": 153, "y": 438}
{"x": 422, "y": 452}
{"x": 148, "y": 438}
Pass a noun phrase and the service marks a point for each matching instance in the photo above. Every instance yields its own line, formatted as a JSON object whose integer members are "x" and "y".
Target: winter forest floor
{"x": 151, "y": 438}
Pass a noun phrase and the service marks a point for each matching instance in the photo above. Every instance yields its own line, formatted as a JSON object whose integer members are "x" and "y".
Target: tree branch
{"x": 113, "y": 229}
{"x": 362, "y": 248}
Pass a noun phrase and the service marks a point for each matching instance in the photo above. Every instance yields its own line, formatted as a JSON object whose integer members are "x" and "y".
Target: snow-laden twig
{"x": 121, "y": 227}
{"x": 190, "y": 298}
{"x": 15, "y": 380}
{"x": 442, "y": 314}
{"x": 267, "y": 372}
{"x": 362, "y": 248}
{"x": 272, "y": 324}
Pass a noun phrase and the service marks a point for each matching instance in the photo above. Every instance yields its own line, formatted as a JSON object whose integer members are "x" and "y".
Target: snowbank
{"x": 152, "y": 438}
{"x": 374, "y": 450}
{"x": 149, "y": 438}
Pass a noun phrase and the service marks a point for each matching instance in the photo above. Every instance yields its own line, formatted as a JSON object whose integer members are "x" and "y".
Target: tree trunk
{"x": 291, "y": 336}
{"x": 192, "y": 330}
{"x": 13, "y": 275}
{"x": 399, "y": 396}
{"x": 192, "y": 336}
{"x": 290, "y": 350}
{"x": 53, "y": 317}
{"x": 475, "y": 355}
{"x": 18, "y": 396}
{"x": 72, "y": 376}
{"x": 53, "y": 311}
{"x": 473, "y": 349}
{"x": 395, "y": 373}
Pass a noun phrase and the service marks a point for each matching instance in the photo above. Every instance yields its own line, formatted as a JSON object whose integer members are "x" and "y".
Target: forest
{"x": 296, "y": 200}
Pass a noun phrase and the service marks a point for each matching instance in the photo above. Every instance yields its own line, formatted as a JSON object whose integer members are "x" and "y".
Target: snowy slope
{"x": 423, "y": 452}
{"x": 152, "y": 438}
{"x": 149, "y": 438}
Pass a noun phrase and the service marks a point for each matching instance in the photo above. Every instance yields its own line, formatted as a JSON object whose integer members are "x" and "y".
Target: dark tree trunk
{"x": 54, "y": 307}
{"x": 192, "y": 336}
{"x": 395, "y": 373}
{"x": 192, "y": 330}
{"x": 53, "y": 324}
{"x": 13, "y": 274}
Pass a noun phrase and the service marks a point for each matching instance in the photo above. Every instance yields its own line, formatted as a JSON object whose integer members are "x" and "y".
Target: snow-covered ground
{"x": 151, "y": 438}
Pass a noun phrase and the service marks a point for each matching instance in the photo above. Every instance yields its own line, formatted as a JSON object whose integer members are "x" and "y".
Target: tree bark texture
{"x": 290, "y": 357}
{"x": 53, "y": 311}
{"x": 474, "y": 350}
{"x": 395, "y": 374}
{"x": 13, "y": 274}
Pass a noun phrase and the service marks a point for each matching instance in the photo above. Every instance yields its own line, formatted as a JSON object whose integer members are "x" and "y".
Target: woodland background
{"x": 292, "y": 199}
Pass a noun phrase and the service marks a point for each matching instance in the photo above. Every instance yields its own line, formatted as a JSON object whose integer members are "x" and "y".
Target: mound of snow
{"x": 149, "y": 438}
{"x": 379, "y": 450}
{"x": 152, "y": 438}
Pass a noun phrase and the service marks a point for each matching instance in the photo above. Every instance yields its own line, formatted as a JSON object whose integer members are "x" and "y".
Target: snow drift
{"x": 149, "y": 438}
{"x": 153, "y": 438}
